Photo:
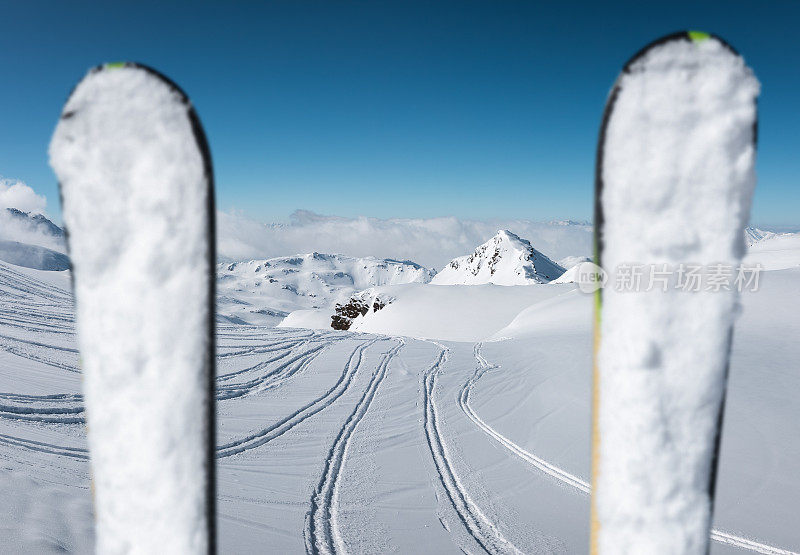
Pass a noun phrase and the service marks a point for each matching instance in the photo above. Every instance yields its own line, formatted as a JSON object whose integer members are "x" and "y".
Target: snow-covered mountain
{"x": 505, "y": 259}
{"x": 265, "y": 291}
{"x": 35, "y": 222}
{"x": 31, "y": 241}
{"x": 753, "y": 235}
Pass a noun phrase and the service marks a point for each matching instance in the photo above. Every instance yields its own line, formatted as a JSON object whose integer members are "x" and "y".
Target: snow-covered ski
{"x": 137, "y": 191}
{"x": 674, "y": 181}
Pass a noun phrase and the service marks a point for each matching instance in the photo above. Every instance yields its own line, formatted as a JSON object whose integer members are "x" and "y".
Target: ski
{"x": 673, "y": 185}
{"x": 136, "y": 184}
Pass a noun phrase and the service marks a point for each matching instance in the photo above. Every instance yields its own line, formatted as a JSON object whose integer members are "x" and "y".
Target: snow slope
{"x": 33, "y": 256}
{"x": 369, "y": 443}
{"x": 450, "y": 312}
{"x": 505, "y": 259}
{"x": 775, "y": 252}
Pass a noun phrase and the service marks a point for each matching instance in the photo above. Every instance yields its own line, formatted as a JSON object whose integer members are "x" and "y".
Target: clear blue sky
{"x": 473, "y": 109}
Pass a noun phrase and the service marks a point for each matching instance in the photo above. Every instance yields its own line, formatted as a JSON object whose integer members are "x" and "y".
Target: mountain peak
{"x": 36, "y": 222}
{"x": 505, "y": 259}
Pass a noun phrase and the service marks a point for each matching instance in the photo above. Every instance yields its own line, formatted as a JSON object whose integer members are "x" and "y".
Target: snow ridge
{"x": 505, "y": 259}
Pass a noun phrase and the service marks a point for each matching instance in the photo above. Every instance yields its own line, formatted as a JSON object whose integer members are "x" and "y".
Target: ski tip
{"x": 698, "y": 36}
{"x": 114, "y": 65}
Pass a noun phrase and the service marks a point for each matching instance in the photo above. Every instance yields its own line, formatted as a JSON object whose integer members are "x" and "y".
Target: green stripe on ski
{"x": 698, "y": 36}
{"x": 598, "y": 305}
{"x": 114, "y": 65}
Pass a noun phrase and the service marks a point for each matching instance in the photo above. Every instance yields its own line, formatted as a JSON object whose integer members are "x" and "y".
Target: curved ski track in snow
{"x": 47, "y": 448}
{"x": 570, "y": 479}
{"x": 50, "y": 409}
{"x": 28, "y": 349}
{"x": 322, "y": 534}
{"x": 274, "y": 377}
{"x": 478, "y": 525}
{"x": 307, "y": 411}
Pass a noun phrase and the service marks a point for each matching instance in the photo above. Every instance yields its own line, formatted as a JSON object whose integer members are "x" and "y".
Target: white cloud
{"x": 16, "y": 194}
{"x": 432, "y": 242}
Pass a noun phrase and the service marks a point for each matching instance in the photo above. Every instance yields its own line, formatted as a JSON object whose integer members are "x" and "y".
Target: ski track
{"x": 303, "y": 413}
{"x": 77, "y": 453}
{"x": 477, "y": 524}
{"x": 570, "y": 479}
{"x": 27, "y": 349}
{"x": 322, "y": 535}
{"x": 274, "y": 377}
{"x": 46, "y": 310}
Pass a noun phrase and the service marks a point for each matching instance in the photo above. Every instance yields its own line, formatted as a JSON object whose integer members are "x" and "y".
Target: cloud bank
{"x": 432, "y": 242}
{"x": 16, "y": 194}
{"x": 13, "y": 227}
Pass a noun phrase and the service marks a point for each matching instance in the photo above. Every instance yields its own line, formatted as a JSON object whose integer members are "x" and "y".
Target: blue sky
{"x": 392, "y": 109}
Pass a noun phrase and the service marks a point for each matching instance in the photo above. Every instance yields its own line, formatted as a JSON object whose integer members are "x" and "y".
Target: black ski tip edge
{"x": 691, "y": 36}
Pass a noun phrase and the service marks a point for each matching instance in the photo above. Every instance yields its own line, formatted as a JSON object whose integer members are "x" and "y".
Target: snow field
{"x": 297, "y": 390}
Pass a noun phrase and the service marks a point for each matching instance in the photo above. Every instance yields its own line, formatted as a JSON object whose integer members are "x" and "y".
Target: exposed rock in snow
{"x": 358, "y": 306}
{"x": 505, "y": 259}
{"x": 265, "y": 291}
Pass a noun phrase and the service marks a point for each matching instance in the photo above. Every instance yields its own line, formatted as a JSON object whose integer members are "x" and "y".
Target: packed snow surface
{"x": 505, "y": 259}
{"x": 678, "y": 176}
{"x": 135, "y": 206}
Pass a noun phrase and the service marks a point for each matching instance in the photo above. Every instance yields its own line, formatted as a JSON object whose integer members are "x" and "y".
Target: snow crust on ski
{"x": 675, "y": 175}
{"x": 137, "y": 195}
